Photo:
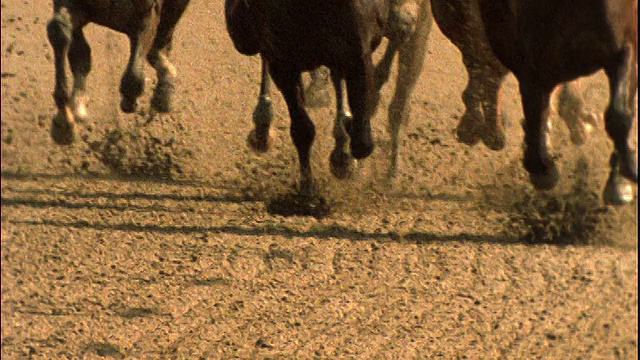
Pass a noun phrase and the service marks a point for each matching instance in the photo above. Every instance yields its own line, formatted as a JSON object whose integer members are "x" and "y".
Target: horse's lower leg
{"x": 619, "y": 117}
{"x": 571, "y": 108}
{"x": 80, "y": 61}
{"x": 411, "y": 58}
{"x": 543, "y": 172}
{"x": 470, "y": 126}
{"x": 317, "y": 93}
{"x": 341, "y": 162}
{"x": 360, "y": 89}
{"x": 159, "y": 55}
{"x": 132, "y": 83}
{"x": 383, "y": 68}
{"x": 59, "y": 31}
{"x": 493, "y": 133}
{"x": 260, "y": 137}
{"x": 302, "y": 130}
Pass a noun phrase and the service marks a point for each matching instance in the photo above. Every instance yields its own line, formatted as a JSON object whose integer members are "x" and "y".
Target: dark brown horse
{"x": 294, "y": 36}
{"x": 149, "y": 24}
{"x": 547, "y": 42}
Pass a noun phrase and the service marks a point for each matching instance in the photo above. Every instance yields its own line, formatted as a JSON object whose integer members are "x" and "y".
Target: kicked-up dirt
{"x": 152, "y": 237}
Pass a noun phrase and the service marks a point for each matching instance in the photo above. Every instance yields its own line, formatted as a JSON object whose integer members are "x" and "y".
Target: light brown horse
{"x": 149, "y": 24}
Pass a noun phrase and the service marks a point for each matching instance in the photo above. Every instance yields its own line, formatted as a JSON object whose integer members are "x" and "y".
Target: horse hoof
{"x": 617, "y": 192}
{"x": 162, "y": 95}
{"x": 261, "y": 144}
{"x": 80, "y": 109}
{"x": 467, "y": 132}
{"x": 128, "y": 106}
{"x": 263, "y": 112}
{"x": 494, "y": 139}
{"x": 63, "y": 128}
{"x": 361, "y": 149}
{"x": 342, "y": 165}
{"x": 545, "y": 181}
{"x": 317, "y": 97}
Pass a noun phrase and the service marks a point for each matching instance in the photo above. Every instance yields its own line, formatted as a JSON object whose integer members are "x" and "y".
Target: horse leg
{"x": 543, "y": 172}
{"x": 619, "y": 117}
{"x": 470, "y": 127}
{"x": 80, "y": 61}
{"x": 132, "y": 83}
{"x": 261, "y": 137}
{"x": 360, "y": 93}
{"x": 302, "y": 130}
{"x": 59, "y": 30}
{"x": 411, "y": 58}
{"x": 382, "y": 72}
{"x": 159, "y": 55}
{"x": 317, "y": 94}
{"x": 493, "y": 133}
{"x": 341, "y": 162}
{"x": 571, "y": 108}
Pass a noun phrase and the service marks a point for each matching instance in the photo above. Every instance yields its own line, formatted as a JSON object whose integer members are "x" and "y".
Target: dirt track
{"x": 97, "y": 264}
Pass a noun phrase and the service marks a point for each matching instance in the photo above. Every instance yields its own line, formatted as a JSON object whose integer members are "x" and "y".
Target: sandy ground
{"x": 98, "y": 264}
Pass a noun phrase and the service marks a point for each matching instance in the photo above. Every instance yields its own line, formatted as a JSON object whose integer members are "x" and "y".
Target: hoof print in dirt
{"x": 299, "y": 205}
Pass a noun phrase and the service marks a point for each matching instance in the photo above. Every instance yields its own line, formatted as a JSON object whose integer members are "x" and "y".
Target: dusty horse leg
{"x": 159, "y": 54}
{"x": 493, "y": 133}
{"x": 341, "y": 162}
{"x": 411, "y": 58}
{"x": 360, "y": 93}
{"x": 317, "y": 93}
{"x": 470, "y": 126}
{"x": 80, "y": 61}
{"x": 383, "y": 68}
{"x": 619, "y": 117}
{"x": 302, "y": 130}
{"x": 59, "y": 31}
{"x": 543, "y": 172}
{"x": 260, "y": 137}
{"x": 571, "y": 108}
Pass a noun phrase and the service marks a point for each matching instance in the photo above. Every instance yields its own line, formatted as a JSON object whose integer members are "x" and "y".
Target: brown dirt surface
{"x": 153, "y": 239}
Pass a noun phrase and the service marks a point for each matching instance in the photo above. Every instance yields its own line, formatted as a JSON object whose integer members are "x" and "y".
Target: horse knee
{"x": 59, "y": 31}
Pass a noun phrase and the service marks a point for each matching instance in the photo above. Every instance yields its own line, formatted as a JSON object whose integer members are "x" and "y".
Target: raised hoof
{"x": 361, "y": 149}
{"x": 162, "y": 96}
{"x": 80, "y": 109}
{"x": 260, "y": 144}
{"x": 263, "y": 112}
{"x": 342, "y": 165}
{"x": 494, "y": 139}
{"x": 617, "y": 191}
{"x": 63, "y": 127}
{"x": 545, "y": 181}
{"x": 128, "y": 106}
{"x": 317, "y": 96}
{"x": 467, "y": 131}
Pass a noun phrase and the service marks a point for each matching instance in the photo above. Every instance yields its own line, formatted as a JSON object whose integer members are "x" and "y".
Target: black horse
{"x": 149, "y": 24}
{"x": 294, "y": 36}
